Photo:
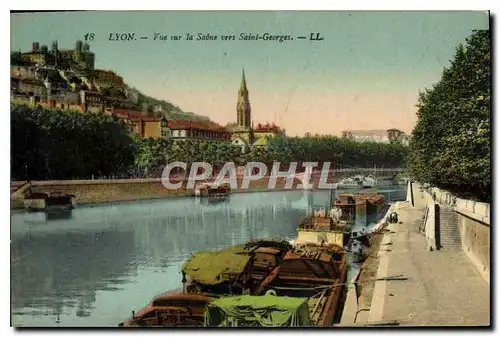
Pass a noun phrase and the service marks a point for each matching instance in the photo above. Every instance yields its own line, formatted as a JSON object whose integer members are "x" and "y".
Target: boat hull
{"x": 171, "y": 309}
{"x": 335, "y": 237}
{"x": 324, "y": 287}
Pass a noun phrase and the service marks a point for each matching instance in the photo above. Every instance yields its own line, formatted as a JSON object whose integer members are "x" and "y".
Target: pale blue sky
{"x": 364, "y": 55}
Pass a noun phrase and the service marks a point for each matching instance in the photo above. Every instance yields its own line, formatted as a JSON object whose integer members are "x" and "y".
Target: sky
{"x": 366, "y": 73}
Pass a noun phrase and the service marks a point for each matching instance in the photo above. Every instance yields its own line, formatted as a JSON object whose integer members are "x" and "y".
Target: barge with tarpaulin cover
{"x": 233, "y": 270}
{"x": 208, "y": 275}
{"x": 258, "y": 311}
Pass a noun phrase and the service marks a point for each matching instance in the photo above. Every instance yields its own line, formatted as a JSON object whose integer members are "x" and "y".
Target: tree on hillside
{"x": 152, "y": 153}
{"x": 65, "y": 144}
{"x": 451, "y": 145}
{"x": 16, "y": 59}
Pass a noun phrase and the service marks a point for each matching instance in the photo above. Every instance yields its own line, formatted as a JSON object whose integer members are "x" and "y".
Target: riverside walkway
{"x": 442, "y": 287}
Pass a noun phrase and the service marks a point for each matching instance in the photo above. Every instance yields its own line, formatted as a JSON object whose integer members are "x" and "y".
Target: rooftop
{"x": 262, "y": 141}
{"x": 186, "y": 124}
{"x": 127, "y": 113}
{"x": 267, "y": 128}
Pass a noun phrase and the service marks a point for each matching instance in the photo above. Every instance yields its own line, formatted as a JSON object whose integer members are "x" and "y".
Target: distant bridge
{"x": 352, "y": 171}
{"x": 367, "y": 170}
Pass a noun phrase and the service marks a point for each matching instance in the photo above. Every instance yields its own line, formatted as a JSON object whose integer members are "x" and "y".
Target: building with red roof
{"x": 183, "y": 129}
{"x": 156, "y": 127}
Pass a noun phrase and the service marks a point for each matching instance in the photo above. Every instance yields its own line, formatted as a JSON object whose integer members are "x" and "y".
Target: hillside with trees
{"x": 451, "y": 142}
{"x": 169, "y": 110}
{"x": 153, "y": 106}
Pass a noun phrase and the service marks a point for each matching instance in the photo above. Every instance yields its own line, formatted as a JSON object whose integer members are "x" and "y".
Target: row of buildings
{"x": 67, "y": 79}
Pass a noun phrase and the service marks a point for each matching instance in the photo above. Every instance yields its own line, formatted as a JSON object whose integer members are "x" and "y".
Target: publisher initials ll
{"x": 315, "y": 37}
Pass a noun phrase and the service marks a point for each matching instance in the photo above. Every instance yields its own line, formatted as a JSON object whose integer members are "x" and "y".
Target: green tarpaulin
{"x": 215, "y": 267}
{"x": 265, "y": 311}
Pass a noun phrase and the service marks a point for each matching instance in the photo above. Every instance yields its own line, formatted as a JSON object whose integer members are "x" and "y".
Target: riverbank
{"x": 360, "y": 293}
{"x": 87, "y": 192}
{"x": 436, "y": 288}
{"x": 367, "y": 275}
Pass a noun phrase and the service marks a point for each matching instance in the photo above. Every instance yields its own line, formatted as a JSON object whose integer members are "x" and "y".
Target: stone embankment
{"x": 417, "y": 286}
{"x": 99, "y": 191}
{"x": 455, "y": 224}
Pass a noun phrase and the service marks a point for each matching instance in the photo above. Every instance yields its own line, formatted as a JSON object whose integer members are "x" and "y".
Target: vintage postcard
{"x": 250, "y": 169}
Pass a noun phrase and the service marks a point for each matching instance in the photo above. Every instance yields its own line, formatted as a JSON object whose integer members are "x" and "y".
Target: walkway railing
{"x": 421, "y": 228}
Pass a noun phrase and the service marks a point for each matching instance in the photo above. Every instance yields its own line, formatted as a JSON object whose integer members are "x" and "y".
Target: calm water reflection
{"x": 95, "y": 265}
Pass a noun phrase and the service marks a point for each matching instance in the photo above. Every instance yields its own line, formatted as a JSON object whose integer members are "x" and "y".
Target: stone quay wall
{"x": 473, "y": 221}
{"x": 100, "y": 191}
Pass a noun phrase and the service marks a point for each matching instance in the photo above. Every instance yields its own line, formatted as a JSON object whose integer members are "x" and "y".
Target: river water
{"x": 92, "y": 266}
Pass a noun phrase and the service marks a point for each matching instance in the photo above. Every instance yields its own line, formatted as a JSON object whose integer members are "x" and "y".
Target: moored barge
{"x": 375, "y": 202}
{"x": 365, "y": 202}
{"x": 316, "y": 272}
{"x": 173, "y": 308}
{"x": 208, "y": 275}
{"x": 234, "y": 270}
{"x": 49, "y": 202}
{"x": 322, "y": 228}
{"x": 212, "y": 190}
{"x": 329, "y": 228}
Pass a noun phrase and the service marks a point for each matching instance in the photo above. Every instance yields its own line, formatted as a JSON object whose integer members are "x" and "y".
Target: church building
{"x": 243, "y": 132}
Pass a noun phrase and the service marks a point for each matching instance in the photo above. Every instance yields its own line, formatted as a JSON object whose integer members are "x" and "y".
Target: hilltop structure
{"x": 65, "y": 59}
{"x": 67, "y": 79}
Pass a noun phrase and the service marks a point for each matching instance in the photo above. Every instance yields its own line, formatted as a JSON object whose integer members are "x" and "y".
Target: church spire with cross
{"x": 243, "y": 109}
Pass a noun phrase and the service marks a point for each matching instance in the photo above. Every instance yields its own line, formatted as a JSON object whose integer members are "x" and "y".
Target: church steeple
{"x": 243, "y": 85}
{"x": 243, "y": 107}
